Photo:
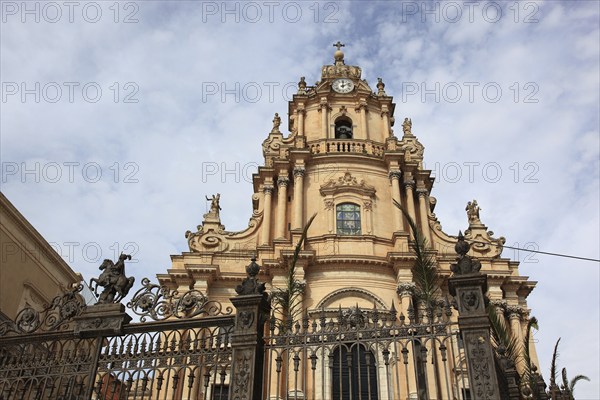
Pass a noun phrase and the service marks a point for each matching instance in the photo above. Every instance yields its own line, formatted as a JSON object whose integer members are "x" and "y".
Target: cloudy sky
{"x": 118, "y": 118}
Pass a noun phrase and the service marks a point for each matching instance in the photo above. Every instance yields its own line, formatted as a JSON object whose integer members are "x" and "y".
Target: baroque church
{"x": 366, "y": 297}
{"x": 347, "y": 160}
{"x": 343, "y": 161}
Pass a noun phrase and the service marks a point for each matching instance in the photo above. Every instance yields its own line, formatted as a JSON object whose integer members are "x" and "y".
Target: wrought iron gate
{"x": 69, "y": 351}
{"x": 366, "y": 354}
{"x": 186, "y": 346}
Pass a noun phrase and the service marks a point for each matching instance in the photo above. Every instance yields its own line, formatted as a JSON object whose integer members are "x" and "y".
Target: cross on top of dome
{"x": 338, "y": 56}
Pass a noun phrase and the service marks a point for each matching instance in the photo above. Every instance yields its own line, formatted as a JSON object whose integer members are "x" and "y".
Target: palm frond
{"x": 574, "y": 381}
{"x": 553, "y": 363}
{"x": 285, "y": 300}
{"x": 424, "y": 270}
{"x": 564, "y": 378}
{"x": 501, "y": 336}
{"x": 532, "y": 323}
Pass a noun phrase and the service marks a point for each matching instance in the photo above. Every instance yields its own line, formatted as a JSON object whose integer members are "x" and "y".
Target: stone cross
{"x": 339, "y": 45}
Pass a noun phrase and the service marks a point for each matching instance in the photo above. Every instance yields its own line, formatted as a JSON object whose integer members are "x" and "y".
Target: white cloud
{"x": 171, "y": 54}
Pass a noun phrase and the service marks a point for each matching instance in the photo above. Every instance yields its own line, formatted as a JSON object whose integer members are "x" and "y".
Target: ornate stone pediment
{"x": 347, "y": 183}
{"x": 340, "y": 71}
{"x": 212, "y": 237}
{"x": 483, "y": 242}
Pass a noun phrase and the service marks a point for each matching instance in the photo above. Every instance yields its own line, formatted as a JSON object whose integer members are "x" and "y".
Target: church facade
{"x": 347, "y": 160}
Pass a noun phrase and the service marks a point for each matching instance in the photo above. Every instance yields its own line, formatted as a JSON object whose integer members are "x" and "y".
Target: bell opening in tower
{"x": 343, "y": 128}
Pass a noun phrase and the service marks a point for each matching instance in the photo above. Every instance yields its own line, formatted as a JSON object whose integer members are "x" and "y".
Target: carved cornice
{"x": 299, "y": 172}
{"x": 422, "y": 191}
{"x": 329, "y": 204}
{"x": 347, "y": 292}
{"x": 347, "y": 183}
{"x": 514, "y": 312}
{"x": 395, "y": 175}
{"x": 499, "y": 304}
{"x": 340, "y": 71}
{"x": 350, "y": 259}
{"x": 283, "y": 181}
{"x": 406, "y": 289}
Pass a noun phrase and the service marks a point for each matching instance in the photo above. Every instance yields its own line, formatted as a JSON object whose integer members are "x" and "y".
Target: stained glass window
{"x": 348, "y": 219}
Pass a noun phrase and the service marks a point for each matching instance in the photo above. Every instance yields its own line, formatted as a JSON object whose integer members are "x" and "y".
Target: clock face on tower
{"x": 342, "y": 85}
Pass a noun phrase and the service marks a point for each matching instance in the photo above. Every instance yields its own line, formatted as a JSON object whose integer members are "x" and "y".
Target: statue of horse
{"x": 116, "y": 285}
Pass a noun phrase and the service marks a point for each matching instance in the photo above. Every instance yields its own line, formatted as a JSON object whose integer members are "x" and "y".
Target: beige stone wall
{"x": 379, "y": 163}
{"x": 31, "y": 272}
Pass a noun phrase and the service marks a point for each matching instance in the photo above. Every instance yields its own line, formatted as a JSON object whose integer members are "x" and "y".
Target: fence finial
{"x": 251, "y": 285}
{"x": 465, "y": 264}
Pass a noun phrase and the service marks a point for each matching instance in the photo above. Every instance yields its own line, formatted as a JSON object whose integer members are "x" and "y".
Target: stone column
{"x": 385, "y": 116}
{"x": 514, "y": 314}
{"x": 368, "y": 225}
{"x": 266, "y": 228}
{"x": 468, "y": 286}
{"x": 247, "y": 344}
{"x": 395, "y": 178}
{"x": 301, "y": 113}
{"x": 362, "y": 110}
{"x": 500, "y": 307}
{"x": 329, "y": 204}
{"x": 406, "y": 290}
{"x": 282, "y": 184}
{"x": 101, "y": 320}
{"x": 409, "y": 185}
{"x": 422, "y": 193}
{"x": 324, "y": 110}
{"x": 298, "y": 196}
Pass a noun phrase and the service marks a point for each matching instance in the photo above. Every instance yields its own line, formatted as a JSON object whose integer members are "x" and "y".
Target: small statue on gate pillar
{"x": 116, "y": 285}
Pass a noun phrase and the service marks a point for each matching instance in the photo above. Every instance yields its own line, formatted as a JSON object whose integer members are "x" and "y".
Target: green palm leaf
{"x": 553, "y": 363}
{"x": 574, "y": 381}
{"x": 285, "y": 300}
{"x": 425, "y": 273}
{"x": 502, "y": 337}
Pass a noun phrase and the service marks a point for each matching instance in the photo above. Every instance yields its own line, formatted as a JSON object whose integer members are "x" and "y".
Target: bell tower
{"x": 341, "y": 105}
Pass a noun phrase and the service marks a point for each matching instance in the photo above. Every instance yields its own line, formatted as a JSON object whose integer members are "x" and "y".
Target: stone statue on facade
{"x": 407, "y": 126}
{"x": 116, "y": 285}
{"x": 276, "y": 123}
{"x": 472, "y": 210}
{"x": 214, "y": 204}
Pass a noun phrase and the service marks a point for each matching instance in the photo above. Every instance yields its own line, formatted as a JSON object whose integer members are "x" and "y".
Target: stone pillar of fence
{"x": 468, "y": 286}
{"x": 101, "y": 320}
{"x": 252, "y": 311}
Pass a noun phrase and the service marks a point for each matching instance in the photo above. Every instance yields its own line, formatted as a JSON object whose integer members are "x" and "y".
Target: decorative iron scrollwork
{"x": 54, "y": 316}
{"x": 159, "y": 303}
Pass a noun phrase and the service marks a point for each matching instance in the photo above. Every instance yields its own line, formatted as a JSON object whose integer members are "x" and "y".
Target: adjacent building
{"x": 31, "y": 272}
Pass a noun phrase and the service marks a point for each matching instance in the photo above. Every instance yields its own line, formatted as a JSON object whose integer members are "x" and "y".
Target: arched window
{"x": 343, "y": 128}
{"x": 354, "y": 375}
{"x": 348, "y": 219}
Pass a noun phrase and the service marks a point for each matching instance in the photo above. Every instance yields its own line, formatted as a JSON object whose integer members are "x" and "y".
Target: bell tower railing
{"x": 353, "y": 146}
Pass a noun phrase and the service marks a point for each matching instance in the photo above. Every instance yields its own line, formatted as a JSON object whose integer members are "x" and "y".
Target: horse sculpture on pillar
{"x": 116, "y": 285}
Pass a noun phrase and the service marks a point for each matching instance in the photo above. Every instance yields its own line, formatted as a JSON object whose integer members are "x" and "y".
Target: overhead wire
{"x": 537, "y": 251}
